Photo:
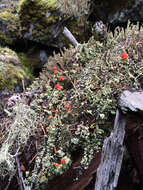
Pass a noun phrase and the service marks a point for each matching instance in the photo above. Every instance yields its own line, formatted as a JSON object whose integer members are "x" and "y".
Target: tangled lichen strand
{"x": 7, "y": 162}
{"x": 24, "y": 123}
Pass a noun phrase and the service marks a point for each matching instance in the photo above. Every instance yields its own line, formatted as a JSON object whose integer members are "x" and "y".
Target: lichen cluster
{"x": 79, "y": 9}
{"x": 75, "y": 100}
{"x": 95, "y": 75}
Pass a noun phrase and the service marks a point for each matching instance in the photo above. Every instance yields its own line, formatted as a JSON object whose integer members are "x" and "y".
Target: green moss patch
{"x": 10, "y": 28}
{"x": 39, "y": 22}
{"x": 12, "y": 72}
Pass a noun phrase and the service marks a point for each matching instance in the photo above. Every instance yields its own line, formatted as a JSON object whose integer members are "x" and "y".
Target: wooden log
{"x": 112, "y": 155}
{"x": 129, "y": 103}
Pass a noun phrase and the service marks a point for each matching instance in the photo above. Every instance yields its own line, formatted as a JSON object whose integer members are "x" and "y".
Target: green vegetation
{"x": 10, "y": 29}
{"x": 36, "y": 22}
{"x": 75, "y": 98}
{"x": 12, "y": 72}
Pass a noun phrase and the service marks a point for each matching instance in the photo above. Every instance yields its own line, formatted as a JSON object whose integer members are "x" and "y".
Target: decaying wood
{"x": 112, "y": 155}
{"x": 130, "y": 102}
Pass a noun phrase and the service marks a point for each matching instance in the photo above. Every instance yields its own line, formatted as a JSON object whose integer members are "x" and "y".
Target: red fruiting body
{"x": 58, "y": 87}
{"x": 124, "y": 56}
{"x": 63, "y": 161}
{"x": 68, "y": 107}
{"x": 61, "y": 78}
{"x": 56, "y": 164}
{"x": 55, "y": 68}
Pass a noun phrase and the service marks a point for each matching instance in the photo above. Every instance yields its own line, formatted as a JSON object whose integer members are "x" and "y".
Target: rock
{"x": 132, "y": 11}
{"x": 40, "y": 21}
{"x": 44, "y": 22}
{"x": 43, "y": 57}
{"x": 9, "y": 28}
{"x": 99, "y": 30}
{"x": 12, "y": 72}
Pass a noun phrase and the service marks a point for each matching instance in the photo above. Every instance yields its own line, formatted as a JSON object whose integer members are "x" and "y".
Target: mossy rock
{"x": 40, "y": 20}
{"x": 12, "y": 72}
{"x": 9, "y": 28}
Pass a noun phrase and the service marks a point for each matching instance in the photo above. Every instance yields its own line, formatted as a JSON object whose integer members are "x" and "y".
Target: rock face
{"x": 9, "y": 22}
{"x": 133, "y": 12}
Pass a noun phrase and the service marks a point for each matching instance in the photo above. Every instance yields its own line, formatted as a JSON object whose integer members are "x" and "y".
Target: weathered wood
{"x": 112, "y": 155}
{"x": 112, "y": 152}
{"x": 71, "y": 38}
{"x": 131, "y": 102}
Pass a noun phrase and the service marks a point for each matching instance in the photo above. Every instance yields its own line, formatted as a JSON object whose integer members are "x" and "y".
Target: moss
{"x": 51, "y": 5}
{"x": 10, "y": 28}
{"x": 12, "y": 72}
{"x": 41, "y": 18}
{"x": 25, "y": 64}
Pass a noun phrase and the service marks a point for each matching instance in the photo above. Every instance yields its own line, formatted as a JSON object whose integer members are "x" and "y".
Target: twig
{"x": 23, "y": 85}
{"x": 30, "y": 162}
{"x": 20, "y": 177}
{"x": 71, "y": 38}
{"x": 10, "y": 178}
